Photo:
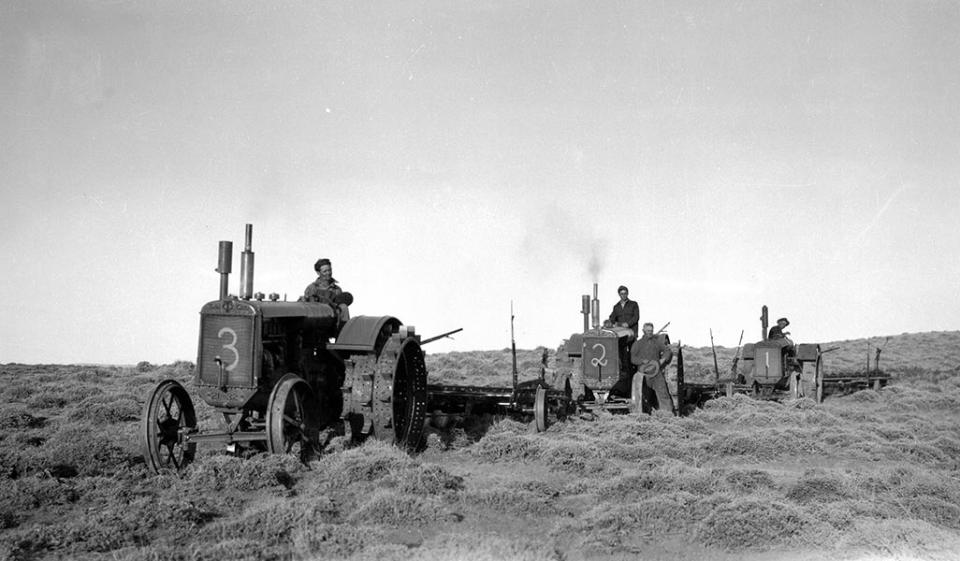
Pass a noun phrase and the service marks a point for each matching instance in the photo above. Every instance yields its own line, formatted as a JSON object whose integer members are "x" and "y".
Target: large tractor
{"x": 278, "y": 372}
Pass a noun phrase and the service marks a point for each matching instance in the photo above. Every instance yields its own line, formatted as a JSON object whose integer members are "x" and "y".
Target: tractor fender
{"x": 808, "y": 352}
{"x": 365, "y": 334}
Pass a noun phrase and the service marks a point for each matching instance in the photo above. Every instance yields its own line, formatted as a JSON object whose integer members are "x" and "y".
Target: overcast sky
{"x": 452, "y": 158}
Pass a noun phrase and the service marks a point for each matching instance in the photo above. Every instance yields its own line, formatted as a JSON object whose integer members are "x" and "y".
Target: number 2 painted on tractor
{"x": 602, "y": 359}
{"x": 231, "y": 346}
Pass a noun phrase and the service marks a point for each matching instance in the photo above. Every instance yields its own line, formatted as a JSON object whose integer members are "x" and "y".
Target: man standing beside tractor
{"x": 650, "y": 354}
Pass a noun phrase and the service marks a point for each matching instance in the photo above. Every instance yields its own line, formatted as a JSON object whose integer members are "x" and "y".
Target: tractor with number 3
{"x": 280, "y": 373}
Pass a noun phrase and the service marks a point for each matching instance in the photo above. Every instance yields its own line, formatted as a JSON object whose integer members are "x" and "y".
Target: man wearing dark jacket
{"x": 789, "y": 350}
{"x": 776, "y": 332}
{"x": 626, "y": 312}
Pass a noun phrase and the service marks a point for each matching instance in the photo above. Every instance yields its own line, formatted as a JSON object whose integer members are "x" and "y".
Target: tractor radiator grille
{"x": 229, "y": 338}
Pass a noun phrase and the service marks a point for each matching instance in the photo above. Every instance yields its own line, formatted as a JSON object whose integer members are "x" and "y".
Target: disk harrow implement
{"x": 841, "y": 382}
{"x": 528, "y": 400}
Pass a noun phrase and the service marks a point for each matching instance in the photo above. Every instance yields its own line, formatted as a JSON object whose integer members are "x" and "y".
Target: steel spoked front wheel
{"x": 168, "y": 416}
{"x": 292, "y": 418}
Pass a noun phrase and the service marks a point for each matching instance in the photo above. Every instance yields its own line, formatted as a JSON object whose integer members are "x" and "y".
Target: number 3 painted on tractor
{"x": 231, "y": 346}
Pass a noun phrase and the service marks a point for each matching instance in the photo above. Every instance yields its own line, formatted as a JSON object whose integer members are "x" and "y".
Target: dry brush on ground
{"x": 871, "y": 474}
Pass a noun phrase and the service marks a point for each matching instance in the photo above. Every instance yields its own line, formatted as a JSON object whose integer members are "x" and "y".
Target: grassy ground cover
{"x": 870, "y": 475}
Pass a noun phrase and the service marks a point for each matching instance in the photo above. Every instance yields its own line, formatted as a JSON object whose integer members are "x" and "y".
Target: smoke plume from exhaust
{"x": 596, "y": 259}
{"x": 559, "y": 234}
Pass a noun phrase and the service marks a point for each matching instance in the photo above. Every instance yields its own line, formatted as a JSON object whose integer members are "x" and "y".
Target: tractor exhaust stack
{"x": 764, "y": 322}
{"x": 595, "y": 308}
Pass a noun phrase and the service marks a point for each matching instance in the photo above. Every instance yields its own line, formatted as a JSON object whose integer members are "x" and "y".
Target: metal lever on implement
{"x": 441, "y": 336}
{"x": 222, "y": 377}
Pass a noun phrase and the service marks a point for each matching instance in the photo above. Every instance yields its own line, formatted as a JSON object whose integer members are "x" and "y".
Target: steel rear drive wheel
{"x": 410, "y": 397}
{"x": 400, "y": 393}
{"x": 293, "y": 420}
{"x": 167, "y": 416}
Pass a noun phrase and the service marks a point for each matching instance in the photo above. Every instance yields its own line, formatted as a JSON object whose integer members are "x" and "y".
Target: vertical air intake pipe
{"x": 224, "y": 264}
{"x": 246, "y": 266}
{"x": 585, "y": 310}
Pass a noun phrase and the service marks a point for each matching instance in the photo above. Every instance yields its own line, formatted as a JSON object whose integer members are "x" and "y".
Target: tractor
{"x": 777, "y": 369}
{"x": 278, "y": 372}
{"x": 589, "y": 363}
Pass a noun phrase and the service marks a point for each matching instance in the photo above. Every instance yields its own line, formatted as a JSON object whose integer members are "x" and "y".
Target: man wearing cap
{"x": 651, "y": 355}
{"x": 776, "y": 332}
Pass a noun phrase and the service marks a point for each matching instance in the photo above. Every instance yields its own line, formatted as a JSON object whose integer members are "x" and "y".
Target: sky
{"x": 454, "y": 158}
